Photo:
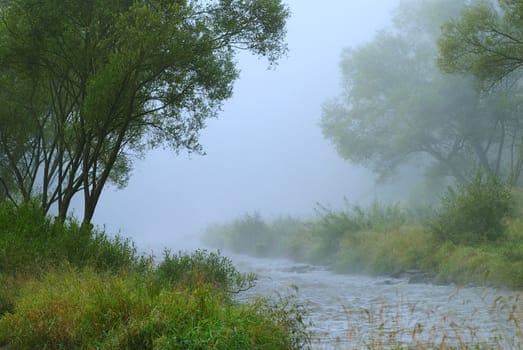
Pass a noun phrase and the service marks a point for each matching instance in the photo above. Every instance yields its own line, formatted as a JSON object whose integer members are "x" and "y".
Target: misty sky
{"x": 265, "y": 151}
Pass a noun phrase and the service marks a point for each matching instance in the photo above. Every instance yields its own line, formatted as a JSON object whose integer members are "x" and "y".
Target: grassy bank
{"x": 475, "y": 236}
{"x": 353, "y": 242}
{"x": 65, "y": 286}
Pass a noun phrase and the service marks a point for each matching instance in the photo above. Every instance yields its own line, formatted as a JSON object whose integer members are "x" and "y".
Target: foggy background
{"x": 265, "y": 151}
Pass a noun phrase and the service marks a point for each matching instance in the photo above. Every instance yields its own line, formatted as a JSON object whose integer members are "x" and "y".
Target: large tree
{"x": 486, "y": 40}
{"x": 89, "y": 84}
{"x": 397, "y": 107}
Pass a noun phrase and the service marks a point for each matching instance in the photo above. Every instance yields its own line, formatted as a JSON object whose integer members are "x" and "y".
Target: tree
{"x": 486, "y": 41}
{"x": 93, "y": 84}
{"x": 397, "y": 107}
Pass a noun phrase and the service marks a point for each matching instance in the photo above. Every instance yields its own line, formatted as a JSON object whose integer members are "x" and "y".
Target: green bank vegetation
{"x": 474, "y": 236}
{"x": 66, "y": 286}
{"x": 439, "y": 90}
{"x": 88, "y": 87}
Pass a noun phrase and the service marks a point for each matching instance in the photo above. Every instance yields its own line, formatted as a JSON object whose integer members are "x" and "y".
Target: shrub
{"x": 202, "y": 267}
{"x": 251, "y": 234}
{"x": 473, "y": 212}
{"x": 248, "y": 234}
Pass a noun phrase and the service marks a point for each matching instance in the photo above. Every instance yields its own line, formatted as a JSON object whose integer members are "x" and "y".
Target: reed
{"x": 412, "y": 326}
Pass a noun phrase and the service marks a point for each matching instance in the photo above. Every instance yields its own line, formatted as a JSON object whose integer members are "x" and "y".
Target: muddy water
{"x": 353, "y": 312}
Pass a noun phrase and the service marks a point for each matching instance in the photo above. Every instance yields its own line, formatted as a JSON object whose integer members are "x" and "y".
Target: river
{"x": 353, "y": 312}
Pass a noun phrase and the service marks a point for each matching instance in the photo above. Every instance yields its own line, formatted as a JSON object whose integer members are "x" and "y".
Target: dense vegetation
{"x": 66, "y": 286}
{"x": 398, "y": 108}
{"x": 474, "y": 236}
{"x": 89, "y": 86}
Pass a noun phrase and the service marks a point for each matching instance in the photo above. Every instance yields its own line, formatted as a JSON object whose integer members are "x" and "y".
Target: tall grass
{"x": 388, "y": 239}
{"x": 65, "y": 286}
{"x": 86, "y": 309}
{"x": 410, "y": 326}
{"x": 31, "y": 242}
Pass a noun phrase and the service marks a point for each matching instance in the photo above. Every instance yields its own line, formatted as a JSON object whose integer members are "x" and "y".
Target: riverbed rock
{"x": 300, "y": 269}
{"x": 413, "y": 276}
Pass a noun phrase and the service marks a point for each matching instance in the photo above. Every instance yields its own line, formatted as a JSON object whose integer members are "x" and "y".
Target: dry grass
{"x": 410, "y": 326}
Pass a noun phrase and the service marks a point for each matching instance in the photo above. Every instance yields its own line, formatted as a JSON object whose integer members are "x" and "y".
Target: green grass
{"x": 87, "y": 309}
{"x": 70, "y": 287}
{"x": 385, "y": 240}
{"x": 31, "y": 243}
{"x": 389, "y": 240}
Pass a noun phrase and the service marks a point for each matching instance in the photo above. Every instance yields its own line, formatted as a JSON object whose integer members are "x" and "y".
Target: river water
{"x": 356, "y": 312}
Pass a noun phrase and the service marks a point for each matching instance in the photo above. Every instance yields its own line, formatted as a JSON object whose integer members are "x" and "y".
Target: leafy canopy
{"x": 485, "y": 40}
{"x": 93, "y": 84}
{"x": 398, "y": 108}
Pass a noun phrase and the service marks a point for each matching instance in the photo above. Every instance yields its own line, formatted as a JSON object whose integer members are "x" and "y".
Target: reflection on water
{"x": 356, "y": 311}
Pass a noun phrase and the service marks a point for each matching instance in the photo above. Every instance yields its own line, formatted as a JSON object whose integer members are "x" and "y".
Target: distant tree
{"x": 486, "y": 40}
{"x": 397, "y": 107}
{"x": 89, "y": 85}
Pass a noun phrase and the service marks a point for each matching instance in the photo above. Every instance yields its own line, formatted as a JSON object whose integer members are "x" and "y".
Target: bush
{"x": 473, "y": 212}
{"x": 202, "y": 267}
{"x": 251, "y": 234}
{"x": 248, "y": 234}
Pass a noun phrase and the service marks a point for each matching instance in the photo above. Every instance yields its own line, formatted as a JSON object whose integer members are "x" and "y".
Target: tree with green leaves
{"x": 398, "y": 108}
{"x": 90, "y": 85}
{"x": 486, "y": 40}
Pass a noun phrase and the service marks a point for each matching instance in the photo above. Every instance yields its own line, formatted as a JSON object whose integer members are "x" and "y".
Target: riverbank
{"x": 67, "y": 286}
{"x": 379, "y": 240}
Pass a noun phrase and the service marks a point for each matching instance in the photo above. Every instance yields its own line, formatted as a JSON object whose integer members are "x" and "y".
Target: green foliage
{"x": 89, "y": 86}
{"x": 473, "y": 212}
{"x": 386, "y": 239}
{"x": 202, "y": 267}
{"x": 332, "y": 226}
{"x": 314, "y": 240}
{"x": 248, "y": 231}
{"x": 384, "y": 252}
{"x": 85, "y": 309}
{"x": 397, "y": 107}
{"x": 251, "y": 234}
{"x": 31, "y": 242}
{"x": 9, "y": 292}
{"x": 67, "y": 286}
{"x": 484, "y": 41}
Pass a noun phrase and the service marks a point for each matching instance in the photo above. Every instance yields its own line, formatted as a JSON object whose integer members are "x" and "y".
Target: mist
{"x": 265, "y": 152}
{"x": 364, "y": 191}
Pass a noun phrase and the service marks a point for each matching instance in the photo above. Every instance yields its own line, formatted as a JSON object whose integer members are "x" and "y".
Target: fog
{"x": 265, "y": 152}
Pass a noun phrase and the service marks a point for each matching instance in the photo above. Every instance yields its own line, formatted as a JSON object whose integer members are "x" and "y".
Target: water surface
{"x": 352, "y": 312}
